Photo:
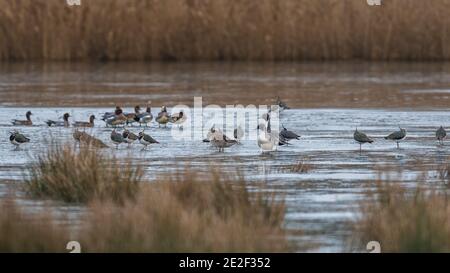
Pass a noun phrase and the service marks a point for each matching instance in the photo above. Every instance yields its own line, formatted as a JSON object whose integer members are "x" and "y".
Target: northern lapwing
{"x": 288, "y": 135}
{"x": 117, "y": 138}
{"x": 64, "y": 123}
{"x": 88, "y": 124}
{"x": 163, "y": 117}
{"x": 441, "y": 134}
{"x": 146, "y": 140}
{"x": 361, "y": 138}
{"x": 26, "y": 122}
{"x": 397, "y": 136}
{"x": 17, "y": 138}
{"x": 129, "y": 137}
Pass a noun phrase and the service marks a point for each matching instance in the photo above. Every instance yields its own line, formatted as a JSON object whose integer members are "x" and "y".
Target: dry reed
{"x": 266, "y": 30}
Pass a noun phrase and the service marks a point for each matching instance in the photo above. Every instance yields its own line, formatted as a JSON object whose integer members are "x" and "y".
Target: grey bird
{"x": 441, "y": 134}
{"x": 129, "y": 137}
{"x": 63, "y": 123}
{"x": 17, "y": 138}
{"x": 397, "y": 136}
{"x": 117, "y": 139}
{"x": 145, "y": 118}
{"x": 146, "y": 140}
{"x": 286, "y": 134}
{"x": 220, "y": 140}
{"x": 26, "y": 122}
{"x": 361, "y": 138}
{"x": 281, "y": 104}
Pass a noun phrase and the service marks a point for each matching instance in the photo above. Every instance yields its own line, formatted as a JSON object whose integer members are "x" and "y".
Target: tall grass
{"x": 81, "y": 175}
{"x": 406, "y": 221}
{"x": 224, "y": 30}
{"x": 174, "y": 215}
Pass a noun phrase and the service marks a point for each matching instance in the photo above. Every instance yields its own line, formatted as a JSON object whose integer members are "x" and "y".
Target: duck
{"x": 26, "y": 122}
{"x": 129, "y": 137}
{"x": 178, "y": 119}
{"x": 131, "y": 117}
{"x": 17, "y": 138}
{"x": 163, "y": 117}
{"x": 118, "y": 119}
{"x": 88, "y": 124}
{"x": 144, "y": 118}
{"x": 108, "y": 115}
{"x": 146, "y": 140}
{"x": 220, "y": 140}
{"x": 85, "y": 138}
{"x": 64, "y": 123}
{"x": 117, "y": 138}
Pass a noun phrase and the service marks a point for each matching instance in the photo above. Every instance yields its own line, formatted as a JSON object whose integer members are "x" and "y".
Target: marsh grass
{"x": 405, "y": 220}
{"x": 81, "y": 175}
{"x": 270, "y": 30}
{"x": 178, "y": 214}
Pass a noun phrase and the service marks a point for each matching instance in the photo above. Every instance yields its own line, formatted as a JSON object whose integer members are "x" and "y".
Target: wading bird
{"x": 441, "y": 134}
{"x": 129, "y": 137}
{"x": 397, "y": 136}
{"x": 146, "y": 140}
{"x": 17, "y": 138}
{"x": 361, "y": 138}
{"x": 144, "y": 118}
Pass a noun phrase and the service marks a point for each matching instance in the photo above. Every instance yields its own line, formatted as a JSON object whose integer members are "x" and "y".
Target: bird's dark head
{"x": 28, "y": 114}
{"x": 66, "y": 116}
{"x": 148, "y": 109}
{"x": 125, "y": 133}
{"x": 137, "y": 108}
{"x": 118, "y": 111}
{"x": 92, "y": 118}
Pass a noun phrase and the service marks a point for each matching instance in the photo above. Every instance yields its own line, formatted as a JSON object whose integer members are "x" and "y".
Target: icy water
{"x": 320, "y": 202}
{"x": 329, "y": 100}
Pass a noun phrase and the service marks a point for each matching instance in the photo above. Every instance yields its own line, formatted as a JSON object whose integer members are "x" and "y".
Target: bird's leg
{"x": 360, "y": 148}
{"x": 398, "y": 145}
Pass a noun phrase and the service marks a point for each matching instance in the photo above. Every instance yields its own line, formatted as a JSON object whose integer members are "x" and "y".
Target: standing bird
{"x": 145, "y": 118}
{"x": 282, "y": 104}
{"x": 220, "y": 140}
{"x": 26, "y": 122}
{"x": 88, "y": 124}
{"x": 146, "y": 140}
{"x": 178, "y": 119}
{"x": 361, "y": 138}
{"x": 441, "y": 134}
{"x": 397, "y": 136}
{"x": 118, "y": 119}
{"x": 131, "y": 117}
{"x": 108, "y": 115}
{"x": 265, "y": 141}
{"x": 64, "y": 123}
{"x": 17, "y": 138}
{"x": 86, "y": 139}
{"x": 238, "y": 133}
{"x": 117, "y": 138}
{"x": 163, "y": 117}
{"x": 288, "y": 135}
{"x": 129, "y": 137}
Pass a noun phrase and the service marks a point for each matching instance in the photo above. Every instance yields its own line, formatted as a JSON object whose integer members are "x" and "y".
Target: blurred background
{"x": 223, "y": 30}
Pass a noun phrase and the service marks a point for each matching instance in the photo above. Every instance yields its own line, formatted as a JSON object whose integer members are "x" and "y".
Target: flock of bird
{"x": 267, "y": 140}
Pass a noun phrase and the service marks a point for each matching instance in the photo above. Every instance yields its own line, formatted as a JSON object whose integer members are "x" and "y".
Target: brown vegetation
{"x": 224, "y": 30}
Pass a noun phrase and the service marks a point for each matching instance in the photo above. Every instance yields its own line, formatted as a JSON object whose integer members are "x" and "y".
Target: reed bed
{"x": 199, "y": 30}
{"x": 122, "y": 213}
{"x": 81, "y": 175}
{"x": 406, "y": 220}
